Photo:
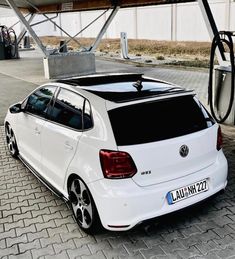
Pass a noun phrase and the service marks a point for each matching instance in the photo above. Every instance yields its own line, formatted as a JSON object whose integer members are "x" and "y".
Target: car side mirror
{"x": 16, "y": 108}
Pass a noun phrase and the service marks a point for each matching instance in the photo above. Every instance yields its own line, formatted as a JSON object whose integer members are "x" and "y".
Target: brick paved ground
{"x": 34, "y": 223}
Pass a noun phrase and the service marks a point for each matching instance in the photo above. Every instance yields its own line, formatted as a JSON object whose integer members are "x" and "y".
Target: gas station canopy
{"x": 51, "y": 6}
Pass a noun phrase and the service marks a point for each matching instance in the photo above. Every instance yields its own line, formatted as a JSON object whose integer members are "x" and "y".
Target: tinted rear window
{"x": 158, "y": 120}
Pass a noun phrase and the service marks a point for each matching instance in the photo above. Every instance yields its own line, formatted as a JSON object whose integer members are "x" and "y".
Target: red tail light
{"x": 116, "y": 165}
{"x": 219, "y": 139}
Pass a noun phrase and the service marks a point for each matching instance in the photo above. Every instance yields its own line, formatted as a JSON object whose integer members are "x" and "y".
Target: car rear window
{"x": 158, "y": 120}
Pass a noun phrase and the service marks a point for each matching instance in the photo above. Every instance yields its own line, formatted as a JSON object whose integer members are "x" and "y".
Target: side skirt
{"x": 43, "y": 180}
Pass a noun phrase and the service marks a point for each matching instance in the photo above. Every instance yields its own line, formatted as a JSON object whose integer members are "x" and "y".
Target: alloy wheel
{"x": 11, "y": 141}
{"x": 81, "y": 204}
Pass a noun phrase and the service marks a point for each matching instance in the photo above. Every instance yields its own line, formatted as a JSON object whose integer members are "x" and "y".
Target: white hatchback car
{"x": 121, "y": 148}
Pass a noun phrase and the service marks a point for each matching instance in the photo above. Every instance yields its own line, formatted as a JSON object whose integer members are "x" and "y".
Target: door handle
{"x": 68, "y": 146}
{"x": 37, "y": 131}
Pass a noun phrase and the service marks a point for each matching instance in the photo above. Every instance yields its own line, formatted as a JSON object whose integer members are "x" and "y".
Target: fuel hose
{"x": 13, "y": 42}
{"x": 223, "y": 37}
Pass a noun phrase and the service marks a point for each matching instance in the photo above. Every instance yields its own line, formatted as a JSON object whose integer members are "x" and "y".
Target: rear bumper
{"x": 122, "y": 204}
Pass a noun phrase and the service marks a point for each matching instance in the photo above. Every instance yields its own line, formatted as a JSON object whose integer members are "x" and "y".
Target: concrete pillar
{"x": 228, "y": 15}
{"x": 69, "y": 65}
{"x": 174, "y": 22}
{"x": 60, "y": 21}
{"x": 136, "y": 22}
{"x": 80, "y": 21}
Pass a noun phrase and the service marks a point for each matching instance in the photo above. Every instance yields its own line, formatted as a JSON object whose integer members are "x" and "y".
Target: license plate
{"x": 187, "y": 191}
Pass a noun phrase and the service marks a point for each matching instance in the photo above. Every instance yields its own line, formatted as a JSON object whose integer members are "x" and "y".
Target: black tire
{"x": 11, "y": 141}
{"x": 83, "y": 207}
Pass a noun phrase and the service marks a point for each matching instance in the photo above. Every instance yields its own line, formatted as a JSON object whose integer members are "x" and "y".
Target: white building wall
{"x": 46, "y": 29}
{"x": 195, "y": 30}
{"x": 7, "y": 18}
{"x": 154, "y": 22}
{"x": 232, "y": 18}
{"x": 87, "y": 18}
{"x": 124, "y": 21}
{"x": 181, "y": 22}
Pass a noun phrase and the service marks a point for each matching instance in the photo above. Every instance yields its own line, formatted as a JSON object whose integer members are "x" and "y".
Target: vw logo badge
{"x": 184, "y": 150}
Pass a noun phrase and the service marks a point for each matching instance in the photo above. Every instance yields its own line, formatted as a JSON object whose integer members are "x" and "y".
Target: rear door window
{"x": 158, "y": 120}
{"x": 38, "y": 102}
{"x": 68, "y": 109}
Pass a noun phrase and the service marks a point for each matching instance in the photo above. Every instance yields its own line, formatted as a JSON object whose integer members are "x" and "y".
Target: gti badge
{"x": 184, "y": 150}
{"x": 146, "y": 172}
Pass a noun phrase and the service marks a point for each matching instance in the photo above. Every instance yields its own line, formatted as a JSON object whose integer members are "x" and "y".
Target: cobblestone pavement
{"x": 34, "y": 223}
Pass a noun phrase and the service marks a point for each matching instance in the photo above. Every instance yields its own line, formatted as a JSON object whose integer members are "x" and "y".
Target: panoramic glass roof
{"x": 123, "y": 87}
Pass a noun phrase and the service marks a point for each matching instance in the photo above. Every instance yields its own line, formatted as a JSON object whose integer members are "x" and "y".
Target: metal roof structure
{"x": 55, "y": 63}
{"x": 51, "y": 6}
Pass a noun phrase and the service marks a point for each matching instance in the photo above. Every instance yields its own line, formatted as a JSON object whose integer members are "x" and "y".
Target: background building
{"x": 182, "y": 22}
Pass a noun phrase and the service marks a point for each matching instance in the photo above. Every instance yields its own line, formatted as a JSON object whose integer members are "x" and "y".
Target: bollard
{"x": 64, "y": 49}
{"x": 26, "y": 42}
{"x": 124, "y": 45}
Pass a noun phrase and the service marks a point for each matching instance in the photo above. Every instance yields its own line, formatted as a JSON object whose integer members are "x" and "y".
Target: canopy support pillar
{"x": 104, "y": 29}
{"x": 23, "y": 32}
{"x": 211, "y": 27}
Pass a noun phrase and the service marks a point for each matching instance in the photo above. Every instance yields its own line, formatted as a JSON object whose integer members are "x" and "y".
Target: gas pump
{"x": 221, "y": 79}
{"x": 8, "y": 43}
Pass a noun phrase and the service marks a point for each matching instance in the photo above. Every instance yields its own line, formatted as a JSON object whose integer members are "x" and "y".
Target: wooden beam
{"x": 83, "y": 5}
